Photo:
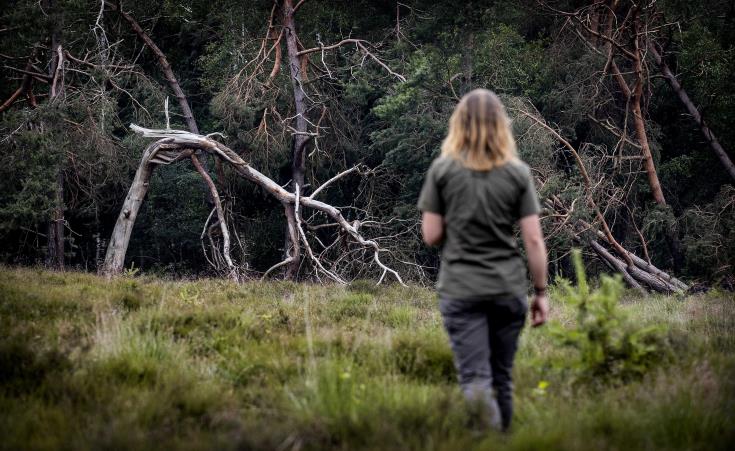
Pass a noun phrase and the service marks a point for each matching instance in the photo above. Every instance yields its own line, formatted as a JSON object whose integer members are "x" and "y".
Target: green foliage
{"x": 709, "y": 237}
{"x": 611, "y": 346}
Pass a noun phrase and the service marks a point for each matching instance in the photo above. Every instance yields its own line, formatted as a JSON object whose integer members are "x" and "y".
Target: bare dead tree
{"x": 193, "y": 128}
{"x": 637, "y": 273}
{"x": 620, "y": 31}
{"x": 302, "y": 128}
{"x": 175, "y": 145}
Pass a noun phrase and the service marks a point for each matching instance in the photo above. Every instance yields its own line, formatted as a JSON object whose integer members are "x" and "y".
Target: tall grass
{"x": 152, "y": 364}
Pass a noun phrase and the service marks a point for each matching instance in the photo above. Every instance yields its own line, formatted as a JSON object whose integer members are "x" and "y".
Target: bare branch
{"x": 332, "y": 180}
{"x": 188, "y": 140}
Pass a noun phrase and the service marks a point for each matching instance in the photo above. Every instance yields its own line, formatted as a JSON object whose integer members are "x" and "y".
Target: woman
{"x": 473, "y": 195}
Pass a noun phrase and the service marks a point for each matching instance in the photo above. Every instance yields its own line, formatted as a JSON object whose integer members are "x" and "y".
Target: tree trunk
{"x": 640, "y": 124}
{"x": 300, "y": 137}
{"x": 467, "y": 66}
{"x": 648, "y": 164}
{"x": 118, "y": 245}
{"x": 693, "y": 111}
{"x": 616, "y": 265}
{"x": 55, "y": 238}
{"x": 154, "y": 154}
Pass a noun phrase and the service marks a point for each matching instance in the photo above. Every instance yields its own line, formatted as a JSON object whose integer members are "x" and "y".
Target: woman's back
{"x": 480, "y": 257}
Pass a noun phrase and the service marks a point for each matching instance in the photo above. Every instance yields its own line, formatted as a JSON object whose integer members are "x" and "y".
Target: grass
{"x": 144, "y": 363}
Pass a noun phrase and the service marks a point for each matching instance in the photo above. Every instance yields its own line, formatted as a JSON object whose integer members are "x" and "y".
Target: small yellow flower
{"x": 540, "y": 389}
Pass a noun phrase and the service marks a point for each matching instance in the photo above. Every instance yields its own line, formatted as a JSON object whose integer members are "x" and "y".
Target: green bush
{"x": 610, "y": 345}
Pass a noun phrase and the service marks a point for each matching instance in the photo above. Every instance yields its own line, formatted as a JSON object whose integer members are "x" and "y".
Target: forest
{"x": 210, "y": 234}
{"x": 623, "y": 110}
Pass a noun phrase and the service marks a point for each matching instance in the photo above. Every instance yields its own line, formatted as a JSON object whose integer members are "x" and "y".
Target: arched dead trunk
{"x": 174, "y": 145}
{"x": 153, "y": 155}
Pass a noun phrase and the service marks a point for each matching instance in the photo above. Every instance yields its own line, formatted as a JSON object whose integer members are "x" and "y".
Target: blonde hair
{"x": 479, "y": 134}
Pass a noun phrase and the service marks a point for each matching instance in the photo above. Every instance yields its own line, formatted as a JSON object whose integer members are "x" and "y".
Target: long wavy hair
{"x": 479, "y": 134}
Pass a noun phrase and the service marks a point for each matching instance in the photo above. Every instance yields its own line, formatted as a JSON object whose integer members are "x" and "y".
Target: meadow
{"x": 147, "y": 363}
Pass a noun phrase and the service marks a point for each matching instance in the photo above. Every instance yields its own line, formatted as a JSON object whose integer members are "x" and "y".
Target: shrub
{"x": 610, "y": 345}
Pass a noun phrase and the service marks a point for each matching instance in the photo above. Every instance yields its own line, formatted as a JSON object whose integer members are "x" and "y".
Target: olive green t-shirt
{"x": 479, "y": 255}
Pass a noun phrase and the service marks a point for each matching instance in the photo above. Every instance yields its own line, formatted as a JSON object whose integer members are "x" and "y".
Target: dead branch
{"x": 181, "y": 141}
{"x": 232, "y": 271}
{"x": 634, "y": 270}
{"x": 587, "y": 183}
{"x": 165, "y": 68}
{"x": 330, "y": 47}
{"x": 332, "y": 180}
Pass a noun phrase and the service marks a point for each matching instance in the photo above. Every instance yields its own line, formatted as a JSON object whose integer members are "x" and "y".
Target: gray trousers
{"x": 484, "y": 337}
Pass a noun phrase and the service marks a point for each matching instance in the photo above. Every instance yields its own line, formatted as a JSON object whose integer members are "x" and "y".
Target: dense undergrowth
{"x": 144, "y": 363}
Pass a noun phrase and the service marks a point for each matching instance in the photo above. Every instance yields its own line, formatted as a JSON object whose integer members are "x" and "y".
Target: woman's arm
{"x": 432, "y": 228}
{"x": 533, "y": 241}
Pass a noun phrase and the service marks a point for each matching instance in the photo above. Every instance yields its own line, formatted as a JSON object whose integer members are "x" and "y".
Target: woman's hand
{"x": 539, "y": 310}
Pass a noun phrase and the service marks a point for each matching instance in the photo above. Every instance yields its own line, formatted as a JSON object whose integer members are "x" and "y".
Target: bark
{"x": 467, "y": 66}
{"x": 118, "y": 245}
{"x": 634, "y": 275}
{"x": 55, "y": 250}
{"x": 615, "y": 264}
{"x": 55, "y": 236}
{"x": 648, "y": 164}
{"x": 650, "y": 268}
{"x": 300, "y": 137}
{"x": 693, "y": 111}
{"x": 153, "y": 155}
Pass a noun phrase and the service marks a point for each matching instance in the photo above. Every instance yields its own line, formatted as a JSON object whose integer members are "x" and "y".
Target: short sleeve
{"x": 430, "y": 198}
{"x": 529, "y": 203}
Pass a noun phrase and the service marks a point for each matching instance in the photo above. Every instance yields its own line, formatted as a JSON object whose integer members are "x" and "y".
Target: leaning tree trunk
{"x": 154, "y": 154}
{"x": 118, "y": 245}
{"x": 693, "y": 111}
{"x": 639, "y": 121}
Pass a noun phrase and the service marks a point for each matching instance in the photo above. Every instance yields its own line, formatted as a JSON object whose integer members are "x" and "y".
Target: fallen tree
{"x": 637, "y": 272}
{"x": 176, "y": 145}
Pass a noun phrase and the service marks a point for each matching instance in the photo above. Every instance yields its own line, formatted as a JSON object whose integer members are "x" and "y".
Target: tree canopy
{"x": 618, "y": 107}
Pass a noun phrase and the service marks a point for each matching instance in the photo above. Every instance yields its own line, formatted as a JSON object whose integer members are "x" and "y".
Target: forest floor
{"x": 144, "y": 363}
